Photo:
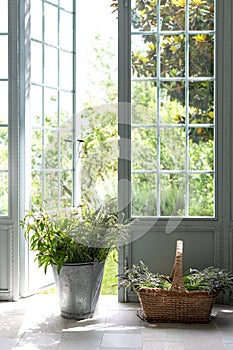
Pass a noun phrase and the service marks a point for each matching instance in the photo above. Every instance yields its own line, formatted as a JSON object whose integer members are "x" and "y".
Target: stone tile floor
{"x": 35, "y": 323}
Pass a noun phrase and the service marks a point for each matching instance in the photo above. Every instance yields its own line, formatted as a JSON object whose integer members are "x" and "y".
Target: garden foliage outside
{"x": 192, "y": 128}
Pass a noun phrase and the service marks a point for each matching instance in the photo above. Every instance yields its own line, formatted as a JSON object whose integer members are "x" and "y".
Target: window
{"x": 4, "y": 78}
{"x": 52, "y": 106}
{"x": 172, "y": 108}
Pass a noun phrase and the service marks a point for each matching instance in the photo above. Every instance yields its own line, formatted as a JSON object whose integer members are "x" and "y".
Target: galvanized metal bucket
{"x": 78, "y": 287}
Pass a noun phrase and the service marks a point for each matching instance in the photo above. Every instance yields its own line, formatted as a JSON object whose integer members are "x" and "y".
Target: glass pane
{"x": 201, "y": 195}
{"x": 36, "y": 190}
{"x": 201, "y": 134}
{"x": 66, "y": 189}
{"x": 201, "y": 55}
{"x": 201, "y": 15}
{"x": 172, "y": 195}
{"x": 172, "y": 102}
{"x": 51, "y": 24}
{"x": 144, "y": 150}
{"x": 201, "y": 149}
{"x": 55, "y": 2}
{"x": 51, "y": 149}
{"x": 4, "y": 102}
{"x": 144, "y": 194}
{"x": 50, "y": 107}
{"x": 172, "y": 156}
{"x": 172, "y": 51}
{"x": 36, "y": 66}
{"x": 66, "y": 70}
{"x": 201, "y": 102}
{"x": 4, "y": 193}
{"x": 51, "y": 66}
{"x": 51, "y": 194}
{"x": 144, "y": 56}
{"x": 66, "y": 106}
{"x": 4, "y": 16}
{"x": 37, "y": 149}
{"x": 144, "y": 97}
{"x": 66, "y": 31}
{"x": 36, "y": 19}
{"x": 66, "y": 149}
{"x": 172, "y": 14}
{"x": 3, "y": 148}
{"x": 67, "y": 4}
{"x": 4, "y": 56}
{"x": 143, "y": 15}
{"x": 36, "y": 105}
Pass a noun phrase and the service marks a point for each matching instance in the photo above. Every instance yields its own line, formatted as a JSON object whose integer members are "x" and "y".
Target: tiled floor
{"x": 35, "y": 323}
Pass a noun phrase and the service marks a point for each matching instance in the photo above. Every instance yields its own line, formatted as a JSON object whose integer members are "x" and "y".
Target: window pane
{"x": 36, "y": 20}
{"x": 144, "y": 97}
{"x": 172, "y": 47}
{"x": 172, "y": 149}
{"x": 4, "y": 102}
{"x": 36, "y": 190}
{"x": 144, "y": 195}
{"x": 66, "y": 106}
{"x": 201, "y": 152}
{"x": 4, "y": 16}
{"x": 172, "y": 102}
{"x": 51, "y": 149}
{"x": 172, "y": 93}
{"x": 144, "y": 56}
{"x": 37, "y": 149}
{"x": 201, "y": 195}
{"x": 66, "y": 31}
{"x": 172, "y": 195}
{"x": 51, "y": 194}
{"x": 55, "y": 2}
{"x": 201, "y": 55}
{"x": 144, "y": 17}
{"x": 51, "y": 24}
{"x": 66, "y": 189}
{"x": 50, "y": 108}
{"x": 144, "y": 148}
{"x": 66, "y": 149}
{"x": 201, "y": 15}
{"x": 67, "y": 4}
{"x": 36, "y": 66}
{"x": 4, "y": 193}
{"x": 201, "y": 102}
{"x": 172, "y": 14}
{"x": 4, "y": 57}
{"x": 36, "y": 105}
{"x": 3, "y": 148}
{"x": 51, "y": 66}
{"x": 66, "y": 69}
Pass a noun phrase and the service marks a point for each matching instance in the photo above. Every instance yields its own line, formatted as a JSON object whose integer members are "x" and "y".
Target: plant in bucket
{"x": 76, "y": 243}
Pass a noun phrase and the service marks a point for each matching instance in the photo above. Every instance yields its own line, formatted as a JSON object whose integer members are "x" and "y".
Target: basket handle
{"x": 176, "y": 274}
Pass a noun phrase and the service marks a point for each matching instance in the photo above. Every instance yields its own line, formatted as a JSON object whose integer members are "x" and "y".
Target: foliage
{"x": 109, "y": 284}
{"x": 172, "y": 54}
{"x": 210, "y": 279}
{"x": 77, "y": 235}
{"x": 99, "y": 155}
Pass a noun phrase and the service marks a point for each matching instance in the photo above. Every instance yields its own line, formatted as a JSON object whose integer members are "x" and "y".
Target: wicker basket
{"x": 177, "y": 304}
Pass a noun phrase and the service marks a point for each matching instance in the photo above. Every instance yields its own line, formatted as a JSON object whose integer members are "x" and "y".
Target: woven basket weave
{"x": 177, "y": 304}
